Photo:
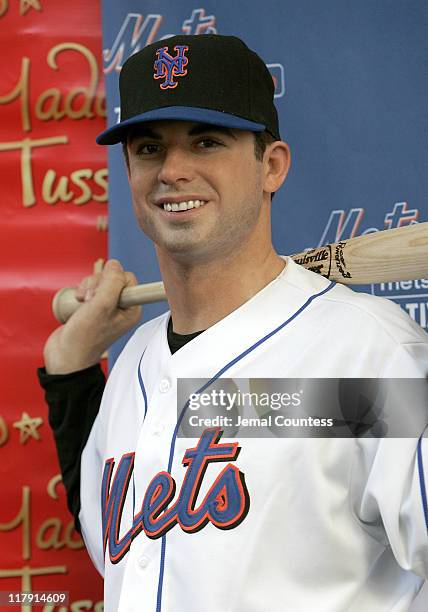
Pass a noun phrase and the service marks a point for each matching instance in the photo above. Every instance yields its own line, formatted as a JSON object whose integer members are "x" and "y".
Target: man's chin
{"x": 184, "y": 240}
{"x": 181, "y": 252}
{"x": 187, "y": 252}
{"x": 187, "y": 245}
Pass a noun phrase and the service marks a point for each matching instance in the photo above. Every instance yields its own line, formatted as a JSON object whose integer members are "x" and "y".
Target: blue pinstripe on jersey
{"x": 143, "y": 389}
{"x": 422, "y": 480}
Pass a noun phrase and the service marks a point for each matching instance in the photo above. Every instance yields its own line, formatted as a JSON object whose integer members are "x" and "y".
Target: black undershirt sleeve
{"x": 73, "y": 401}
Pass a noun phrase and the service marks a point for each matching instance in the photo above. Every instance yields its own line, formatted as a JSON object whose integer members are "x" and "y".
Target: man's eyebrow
{"x": 143, "y": 132}
{"x": 196, "y": 130}
{"x": 203, "y": 128}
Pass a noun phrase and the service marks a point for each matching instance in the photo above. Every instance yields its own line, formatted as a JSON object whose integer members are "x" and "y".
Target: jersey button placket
{"x": 164, "y": 385}
{"x": 143, "y": 561}
{"x": 158, "y": 429}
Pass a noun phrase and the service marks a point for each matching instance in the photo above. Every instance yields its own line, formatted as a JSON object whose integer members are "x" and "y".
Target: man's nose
{"x": 176, "y": 166}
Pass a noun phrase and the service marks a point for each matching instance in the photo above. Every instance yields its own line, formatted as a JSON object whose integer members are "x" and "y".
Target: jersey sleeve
{"x": 73, "y": 401}
{"x": 390, "y": 475}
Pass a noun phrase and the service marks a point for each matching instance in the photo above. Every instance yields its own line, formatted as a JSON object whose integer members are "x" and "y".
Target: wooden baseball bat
{"x": 389, "y": 255}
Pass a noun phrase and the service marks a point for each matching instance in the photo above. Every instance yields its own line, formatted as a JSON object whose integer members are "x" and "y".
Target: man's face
{"x": 197, "y": 190}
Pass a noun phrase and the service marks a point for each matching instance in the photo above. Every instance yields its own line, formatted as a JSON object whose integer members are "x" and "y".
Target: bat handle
{"x": 65, "y": 304}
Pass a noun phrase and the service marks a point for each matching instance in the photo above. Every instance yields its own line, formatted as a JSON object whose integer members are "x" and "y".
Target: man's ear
{"x": 277, "y": 161}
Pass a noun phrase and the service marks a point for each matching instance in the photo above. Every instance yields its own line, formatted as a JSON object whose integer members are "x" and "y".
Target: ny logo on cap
{"x": 168, "y": 67}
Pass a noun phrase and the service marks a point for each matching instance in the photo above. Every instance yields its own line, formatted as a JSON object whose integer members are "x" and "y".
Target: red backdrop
{"x": 53, "y": 229}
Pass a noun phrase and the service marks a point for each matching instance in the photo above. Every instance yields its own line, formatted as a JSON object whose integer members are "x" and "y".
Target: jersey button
{"x": 158, "y": 429}
{"x": 164, "y": 385}
{"x": 143, "y": 561}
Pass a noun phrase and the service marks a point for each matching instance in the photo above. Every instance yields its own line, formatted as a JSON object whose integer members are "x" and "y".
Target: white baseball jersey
{"x": 255, "y": 525}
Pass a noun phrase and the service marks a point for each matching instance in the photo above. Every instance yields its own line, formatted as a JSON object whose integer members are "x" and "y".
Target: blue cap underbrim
{"x": 117, "y": 133}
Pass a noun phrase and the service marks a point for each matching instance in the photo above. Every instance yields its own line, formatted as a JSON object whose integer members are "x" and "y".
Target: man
{"x": 213, "y": 523}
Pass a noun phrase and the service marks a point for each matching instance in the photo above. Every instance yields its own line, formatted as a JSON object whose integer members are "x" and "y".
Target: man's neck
{"x": 201, "y": 295}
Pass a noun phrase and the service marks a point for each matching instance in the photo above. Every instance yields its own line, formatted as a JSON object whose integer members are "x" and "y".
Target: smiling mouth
{"x": 182, "y": 206}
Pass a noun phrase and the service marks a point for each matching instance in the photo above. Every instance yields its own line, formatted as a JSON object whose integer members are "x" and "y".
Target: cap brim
{"x": 117, "y": 133}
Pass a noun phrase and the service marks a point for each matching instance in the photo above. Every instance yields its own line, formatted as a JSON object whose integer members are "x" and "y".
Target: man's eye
{"x": 207, "y": 143}
{"x": 148, "y": 149}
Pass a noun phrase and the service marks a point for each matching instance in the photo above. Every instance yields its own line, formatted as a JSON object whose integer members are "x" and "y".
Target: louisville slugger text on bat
{"x": 389, "y": 255}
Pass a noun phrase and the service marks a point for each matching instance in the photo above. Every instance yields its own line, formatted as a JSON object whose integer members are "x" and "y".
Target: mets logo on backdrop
{"x": 167, "y": 66}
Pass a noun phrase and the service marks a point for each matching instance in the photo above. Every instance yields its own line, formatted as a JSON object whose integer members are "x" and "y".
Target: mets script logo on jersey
{"x": 225, "y": 505}
{"x": 167, "y": 67}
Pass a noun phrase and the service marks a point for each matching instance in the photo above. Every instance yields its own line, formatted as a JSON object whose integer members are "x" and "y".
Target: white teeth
{"x": 180, "y": 206}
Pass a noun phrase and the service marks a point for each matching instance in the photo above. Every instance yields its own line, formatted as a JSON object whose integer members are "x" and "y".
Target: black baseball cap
{"x": 206, "y": 78}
